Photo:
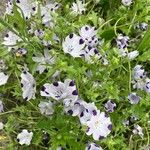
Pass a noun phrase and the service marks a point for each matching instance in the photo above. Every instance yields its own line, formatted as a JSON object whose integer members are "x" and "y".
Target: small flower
{"x": 99, "y": 126}
{"x": 147, "y": 85}
{"x": 138, "y": 130}
{"x": 143, "y": 26}
{"x": 1, "y": 126}
{"x": 11, "y": 39}
{"x": 9, "y": 7}
{"x": 126, "y": 2}
{"x": 2, "y": 65}
{"x": 46, "y": 108}
{"x": 93, "y": 146}
{"x": 122, "y": 52}
{"x": 3, "y": 78}
{"x": 78, "y": 8}
{"x": 122, "y": 41}
{"x": 28, "y": 7}
{"x": 20, "y": 52}
{"x": 25, "y": 137}
{"x": 133, "y": 55}
{"x": 39, "y": 33}
{"x": 61, "y": 91}
{"x": 28, "y": 85}
{"x": 1, "y": 106}
{"x": 138, "y": 84}
{"x": 133, "y": 98}
{"x": 110, "y": 106}
{"x": 125, "y": 123}
{"x": 73, "y": 45}
{"x": 138, "y": 73}
{"x": 88, "y": 34}
{"x": 43, "y": 60}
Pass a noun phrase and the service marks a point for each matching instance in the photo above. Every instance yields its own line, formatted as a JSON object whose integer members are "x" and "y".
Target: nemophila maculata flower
{"x": 9, "y": 7}
{"x": 1, "y": 126}
{"x": 11, "y": 40}
{"x": 127, "y": 2}
{"x": 122, "y": 41}
{"x": 132, "y": 55}
{"x": 60, "y": 91}
{"x": 25, "y": 137}
{"x": 99, "y": 126}
{"x": 1, "y": 106}
{"x": 43, "y": 60}
{"x": 46, "y": 108}
{"x": 110, "y": 106}
{"x": 73, "y": 45}
{"x": 134, "y": 98}
{"x": 78, "y": 7}
{"x": 138, "y": 130}
{"x": 3, "y": 78}
{"x": 93, "y": 146}
{"x": 39, "y": 33}
{"x": 28, "y": 85}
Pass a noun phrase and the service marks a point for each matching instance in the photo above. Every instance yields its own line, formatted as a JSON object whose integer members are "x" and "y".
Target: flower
{"x": 39, "y": 33}
{"x": 122, "y": 52}
{"x": 93, "y": 146}
{"x": 1, "y": 106}
{"x": 61, "y": 91}
{"x": 1, "y": 126}
{"x": 78, "y": 8}
{"x": 126, "y": 2}
{"x": 9, "y": 7}
{"x": 20, "y": 52}
{"x": 87, "y": 111}
{"x": 28, "y": 7}
{"x": 28, "y": 85}
{"x": 11, "y": 39}
{"x": 3, "y": 78}
{"x": 25, "y": 137}
{"x": 147, "y": 85}
{"x": 46, "y": 108}
{"x": 99, "y": 126}
{"x": 133, "y": 98}
{"x": 133, "y": 55}
{"x": 138, "y": 72}
{"x": 43, "y": 60}
{"x": 138, "y": 130}
{"x": 122, "y": 41}
{"x": 2, "y": 65}
{"x": 143, "y": 26}
{"x": 73, "y": 45}
{"x": 88, "y": 34}
{"x": 110, "y": 106}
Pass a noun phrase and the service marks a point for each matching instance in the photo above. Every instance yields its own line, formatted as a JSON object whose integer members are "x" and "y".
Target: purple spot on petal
{"x": 82, "y": 114}
{"x": 71, "y": 83}
{"x": 71, "y": 36}
{"x": 81, "y": 41}
{"x": 55, "y": 83}
{"x": 110, "y": 127}
{"x": 43, "y": 88}
{"x": 86, "y": 28}
{"x": 89, "y": 147}
{"x": 94, "y": 112}
{"x": 75, "y": 92}
{"x": 70, "y": 112}
{"x": 95, "y": 51}
{"x": 101, "y": 137}
{"x": 106, "y": 115}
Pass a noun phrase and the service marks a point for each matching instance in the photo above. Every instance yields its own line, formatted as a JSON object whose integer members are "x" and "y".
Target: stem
{"x": 129, "y": 66}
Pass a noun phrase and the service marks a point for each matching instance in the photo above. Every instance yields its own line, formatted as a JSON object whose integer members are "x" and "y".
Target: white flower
{"x": 122, "y": 41}
{"x": 11, "y": 39}
{"x": 61, "y": 91}
{"x": 28, "y": 7}
{"x": 46, "y": 108}
{"x": 73, "y": 45}
{"x": 88, "y": 110}
{"x": 133, "y": 55}
{"x": 138, "y": 84}
{"x": 134, "y": 98}
{"x": 88, "y": 34}
{"x": 39, "y": 33}
{"x": 143, "y": 26}
{"x": 126, "y": 2}
{"x": 25, "y": 137}
{"x": 147, "y": 85}
{"x": 78, "y": 8}
{"x": 99, "y": 126}
{"x": 1, "y": 126}
{"x": 28, "y": 85}
{"x": 138, "y": 72}
{"x": 3, "y": 78}
{"x": 2, "y": 65}
{"x": 1, "y": 106}
{"x": 93, "y": 146}
{"x": 9, "y": 7}
{"x": 138, "y": 130}
{"x": 43, "y": 60}
{"x": 110, "y": 106}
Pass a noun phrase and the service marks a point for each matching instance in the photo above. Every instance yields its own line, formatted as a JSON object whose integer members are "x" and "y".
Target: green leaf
{"x": 145, "y": 56}
{"x": 145, "y": 43}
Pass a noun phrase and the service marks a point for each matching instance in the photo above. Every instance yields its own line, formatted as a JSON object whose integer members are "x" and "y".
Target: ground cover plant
{"x": 75, "y": 75}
